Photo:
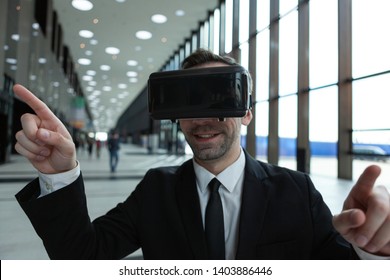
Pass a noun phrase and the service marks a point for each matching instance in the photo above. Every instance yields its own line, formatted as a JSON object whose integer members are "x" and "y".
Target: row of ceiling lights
{"x": 97, "y": 110}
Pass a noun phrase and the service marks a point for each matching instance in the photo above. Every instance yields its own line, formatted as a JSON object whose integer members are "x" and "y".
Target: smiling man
{"x": 222, "y": 204}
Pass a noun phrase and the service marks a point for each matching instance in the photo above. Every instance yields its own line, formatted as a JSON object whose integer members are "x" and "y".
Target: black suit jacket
{"x": 282, "y": 217}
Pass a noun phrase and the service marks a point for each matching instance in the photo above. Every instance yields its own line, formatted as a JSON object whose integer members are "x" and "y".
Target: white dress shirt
{"x": 232, "y": 180}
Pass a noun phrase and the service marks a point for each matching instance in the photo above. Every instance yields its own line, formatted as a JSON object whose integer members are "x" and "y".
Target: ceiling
{"x": 109, "y": 93}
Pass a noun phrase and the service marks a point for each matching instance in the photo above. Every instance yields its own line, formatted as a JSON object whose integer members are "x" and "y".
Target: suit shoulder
{"x": 162, "y": 171}
{"x": 168, "y": 171}
{"x": 272, "y": 170}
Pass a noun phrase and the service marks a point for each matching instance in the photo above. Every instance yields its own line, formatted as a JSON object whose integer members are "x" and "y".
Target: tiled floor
{"x": 18, "y": 239}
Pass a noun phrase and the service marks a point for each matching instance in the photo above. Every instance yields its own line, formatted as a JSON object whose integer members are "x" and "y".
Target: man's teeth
{"x": 206, "y": 135}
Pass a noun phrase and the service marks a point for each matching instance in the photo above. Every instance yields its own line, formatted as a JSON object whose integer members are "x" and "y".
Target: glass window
{"x": 263, "y": 11}
{"x": 288, "y": 54}
{"x": 194, "y": 41}
{"x": 262, "y": 115}
{"x": 187, "y": 48}
{"x": 262, "y": 66}
{"x": 287, "y": 5}
{"x": 204, "y": 35}
{"x": 217, "y": 31}
{"x": 323, "y": 43}
{"x": 370, "y": 105}
{"x": 371, "y": 125}
{"x": 244, "y": 55}
{"x": 288, "y": 131}
{"x": 323, "y": 131}
{"x": 228, "y": 25}
{"x": 370, "y": 42}
{"x": 243, "y": 33}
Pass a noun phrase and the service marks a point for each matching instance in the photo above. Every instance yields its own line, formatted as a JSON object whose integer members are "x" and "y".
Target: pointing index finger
{"x": 363, "y": 187}
{"x": 369, "y": 176}
{"x": 34, "y": 102}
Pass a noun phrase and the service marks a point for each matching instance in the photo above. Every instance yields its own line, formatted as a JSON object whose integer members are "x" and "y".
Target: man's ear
{"x": 245, "y": 120}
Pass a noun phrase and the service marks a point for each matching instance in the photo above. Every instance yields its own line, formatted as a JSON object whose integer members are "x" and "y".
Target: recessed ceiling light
{"x": 84, "y": 61}
{"x": 112, "y": 50}
{"x": 42, "y": 60}
{"x": 93, "y": 42}
{"x": 15, "y": 37}
{"x": 143, "y": 35}
{"x": 11, "y": 60}
{"x": 87, "y": 78}
{"x": 82, "y": 5}
{"x": 91, "y": 72}
{"x": 132, "y": 63}
{"x": 132, "y": 74}
{"x": 180, "y": 13}
{"x": 158, "y": 18}
{"x": 86, "y": 33}
{"x": 105, "y": 68}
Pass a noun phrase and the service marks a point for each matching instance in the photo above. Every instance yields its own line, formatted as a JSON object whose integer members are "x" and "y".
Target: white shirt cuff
{"x": 52, "y": 182}
{"x": 368, "y": 256}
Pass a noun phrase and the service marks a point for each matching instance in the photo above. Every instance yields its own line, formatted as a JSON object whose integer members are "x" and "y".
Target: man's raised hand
{"x": 44, "y": 140}
{"x": 365, "y": 219}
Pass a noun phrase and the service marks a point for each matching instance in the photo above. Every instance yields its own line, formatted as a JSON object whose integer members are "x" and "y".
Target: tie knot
{"x": 214, "y": 185}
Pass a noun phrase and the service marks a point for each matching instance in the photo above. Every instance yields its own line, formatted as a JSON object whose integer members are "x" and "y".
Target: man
{"x": 268, "y": 212}
{"x": 113, "y": 148}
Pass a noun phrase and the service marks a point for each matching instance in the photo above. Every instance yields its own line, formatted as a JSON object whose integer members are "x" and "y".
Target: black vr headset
{"x": 210, "y": 92}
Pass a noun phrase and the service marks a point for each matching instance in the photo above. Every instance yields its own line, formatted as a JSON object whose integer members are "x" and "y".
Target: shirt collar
{"x": 227, "y": 177}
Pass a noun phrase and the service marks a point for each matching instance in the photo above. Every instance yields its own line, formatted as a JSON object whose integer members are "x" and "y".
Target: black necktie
{"x": 214, "y": 228}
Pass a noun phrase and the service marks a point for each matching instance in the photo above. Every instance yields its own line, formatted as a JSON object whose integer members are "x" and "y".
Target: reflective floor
{"x": 18, "y": 240}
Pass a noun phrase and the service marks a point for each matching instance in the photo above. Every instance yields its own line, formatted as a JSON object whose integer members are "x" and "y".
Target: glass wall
{"x": 371, "y": 86}
{"x": 371, "y": 124}
{"x": 288, "y": 85}
{"x": 262, "y": 88}
{"x": 323, "y": 52}
{"x": 228, "y": 26}
{"x": 323, "y": 134}
{"x": 288, "y": 131}
{"x": 297, "y": 52}
{"x": 323, "y": 69}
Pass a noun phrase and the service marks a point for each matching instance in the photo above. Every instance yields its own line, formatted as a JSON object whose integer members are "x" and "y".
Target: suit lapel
{"x": 189, "y": 206}
{"x": 253, "y": 208}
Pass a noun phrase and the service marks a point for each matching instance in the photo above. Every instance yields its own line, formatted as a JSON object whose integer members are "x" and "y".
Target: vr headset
{"x": 210, "y": 92}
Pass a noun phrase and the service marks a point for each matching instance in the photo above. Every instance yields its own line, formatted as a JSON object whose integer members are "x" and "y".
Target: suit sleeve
{"x": 62, "y": 222}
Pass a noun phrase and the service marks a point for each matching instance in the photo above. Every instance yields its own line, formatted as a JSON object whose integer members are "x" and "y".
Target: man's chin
{"x": 208, "y": 155}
